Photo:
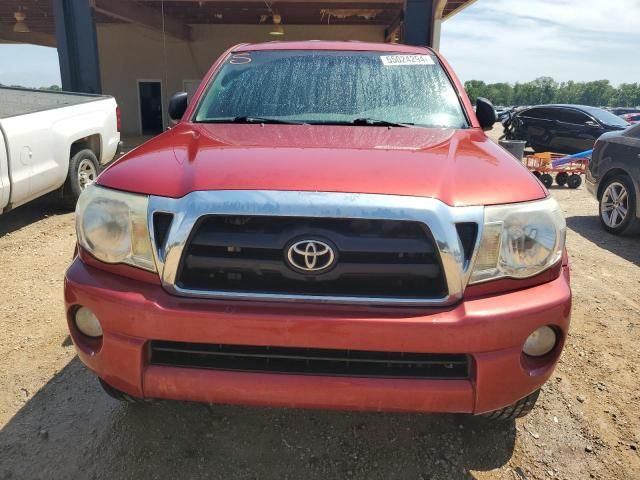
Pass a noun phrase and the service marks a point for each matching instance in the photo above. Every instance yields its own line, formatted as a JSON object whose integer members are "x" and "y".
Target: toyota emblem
{"x": 311, "y": 256}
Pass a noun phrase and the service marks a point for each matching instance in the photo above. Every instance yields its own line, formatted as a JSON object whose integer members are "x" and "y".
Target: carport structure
{"x": 141, "y": 51}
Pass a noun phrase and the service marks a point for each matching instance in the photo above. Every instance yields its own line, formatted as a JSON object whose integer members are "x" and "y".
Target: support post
{"x": 418, "y": 22}
{"x": 77, "y": 46}
{"x": 437, "y": 28}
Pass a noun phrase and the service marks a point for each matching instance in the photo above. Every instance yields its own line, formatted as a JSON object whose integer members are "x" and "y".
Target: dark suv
{"x": 562, "y": 128}
{"x": 613, "y": 177}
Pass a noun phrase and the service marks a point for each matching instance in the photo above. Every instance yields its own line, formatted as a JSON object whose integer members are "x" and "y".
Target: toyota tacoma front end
{"x": 327, "y": 226}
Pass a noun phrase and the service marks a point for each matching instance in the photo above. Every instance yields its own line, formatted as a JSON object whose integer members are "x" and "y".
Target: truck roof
{"x": 333, "y": 45}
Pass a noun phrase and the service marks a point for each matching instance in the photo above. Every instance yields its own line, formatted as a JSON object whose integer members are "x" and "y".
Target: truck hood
{"x": 458, "y": 167}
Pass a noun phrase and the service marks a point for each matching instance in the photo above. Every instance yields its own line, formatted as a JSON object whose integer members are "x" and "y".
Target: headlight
{"x": 112, "y": 226}
{"x": 519, "y": 240}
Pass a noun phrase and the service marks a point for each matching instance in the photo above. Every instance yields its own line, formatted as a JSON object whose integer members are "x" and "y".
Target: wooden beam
{"x": 438, "y": 8}
{"x": 456, "y": 7}
{"x": 35, "y": 38}
{"x": 132, "y": 12}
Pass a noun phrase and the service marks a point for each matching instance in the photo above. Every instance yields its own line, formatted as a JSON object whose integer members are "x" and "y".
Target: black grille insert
{"x": 468, "y": 233}
{"x": 161, "y": 224}
{"x": 310, "y": 361}
{"x": 375, "y": 258}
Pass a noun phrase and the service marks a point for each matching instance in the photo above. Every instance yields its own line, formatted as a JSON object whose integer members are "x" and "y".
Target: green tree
{"x": 596, "y": 93}
{"x": 500, "y": 93}
{"x": 626, "y": 95}
{"x": 544, "y": 90}
{"x": 475, "y": 89}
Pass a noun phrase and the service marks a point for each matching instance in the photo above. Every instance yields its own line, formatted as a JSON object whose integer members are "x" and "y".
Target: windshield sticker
{"x": 240, "y": 59}
{"x": 395, "y": 60}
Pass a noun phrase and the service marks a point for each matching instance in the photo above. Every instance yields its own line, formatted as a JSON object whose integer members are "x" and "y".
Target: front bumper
{"x": 491, "y": 330}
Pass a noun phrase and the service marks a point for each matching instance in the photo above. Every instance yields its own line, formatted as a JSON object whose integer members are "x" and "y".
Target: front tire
{"x": 518, "y": 410}
{"x": 83, "y": 171}
{"x": 618, "y": 206}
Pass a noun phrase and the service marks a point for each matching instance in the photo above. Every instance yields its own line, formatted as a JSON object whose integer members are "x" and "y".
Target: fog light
{"x": 540, "y": 342}
{"x": 87, "y": 323}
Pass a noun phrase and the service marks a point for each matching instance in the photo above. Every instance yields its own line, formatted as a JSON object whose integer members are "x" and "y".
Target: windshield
{"x": 332, "y": 87}
{"x": 607, "y": 118}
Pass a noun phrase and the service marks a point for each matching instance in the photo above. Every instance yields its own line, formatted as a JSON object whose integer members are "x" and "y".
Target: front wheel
{"x": 618, "y": 206}
{"x": 517, "y": 410}
{"x": 83, "y": 171}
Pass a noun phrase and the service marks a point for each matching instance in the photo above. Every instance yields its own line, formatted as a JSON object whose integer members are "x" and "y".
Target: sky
{"x": 29, "y": 65}
{"x": 520, "y": 40}
{"x": 492, "y": 40}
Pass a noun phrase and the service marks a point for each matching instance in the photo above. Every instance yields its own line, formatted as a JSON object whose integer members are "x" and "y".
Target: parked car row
{"x": 565, "y": 129}
{"x": 613, "y": 175}
{"x": 620, "y": 111}
{"x": 631, "y": 117}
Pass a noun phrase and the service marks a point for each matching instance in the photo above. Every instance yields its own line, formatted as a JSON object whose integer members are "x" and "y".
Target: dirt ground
{"x": 55, "y": 422}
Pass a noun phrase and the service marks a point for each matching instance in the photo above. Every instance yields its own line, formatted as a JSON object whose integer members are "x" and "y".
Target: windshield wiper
{"x": 379, "y": 123}
{"x": 366, "y": 122}
{"x": 371, "y": 122}
{"x": 249, "y": 119}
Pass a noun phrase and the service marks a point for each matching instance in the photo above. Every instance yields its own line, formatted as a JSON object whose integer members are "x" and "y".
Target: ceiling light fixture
{"x": 276, "y": 18}
{"x": 277, "y": 29}
{"x": 20, "y": 25}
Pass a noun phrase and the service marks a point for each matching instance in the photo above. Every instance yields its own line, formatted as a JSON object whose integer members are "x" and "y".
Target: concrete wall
{"x": 129, "y": 53}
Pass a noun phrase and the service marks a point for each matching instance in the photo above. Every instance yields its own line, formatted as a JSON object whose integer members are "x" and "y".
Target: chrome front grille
{"x": 374, "y": 258}
{"x": 391, "y": 250}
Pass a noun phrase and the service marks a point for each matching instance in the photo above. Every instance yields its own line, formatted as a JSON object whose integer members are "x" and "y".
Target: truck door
{"x": 31, "y": 154}
{"x": 18, "y": 159}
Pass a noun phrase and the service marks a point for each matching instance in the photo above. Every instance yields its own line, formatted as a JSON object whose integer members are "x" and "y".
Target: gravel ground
{"x": 55, "y": 422}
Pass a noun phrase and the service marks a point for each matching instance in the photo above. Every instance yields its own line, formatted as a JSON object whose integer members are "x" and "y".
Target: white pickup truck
{"x": 53, "y": 141}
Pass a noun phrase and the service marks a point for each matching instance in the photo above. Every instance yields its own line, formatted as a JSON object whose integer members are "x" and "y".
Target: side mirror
{"x": 486, "y": 113}
{"x": 592, "y": 124}
{"x": 177, "y": 106}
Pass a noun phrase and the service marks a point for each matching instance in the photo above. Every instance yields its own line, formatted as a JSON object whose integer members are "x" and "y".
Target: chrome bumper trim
{"x": 437, "y": 216}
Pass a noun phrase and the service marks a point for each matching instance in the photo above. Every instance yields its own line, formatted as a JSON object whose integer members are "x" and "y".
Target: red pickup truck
{"x": 326, "y": 226}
